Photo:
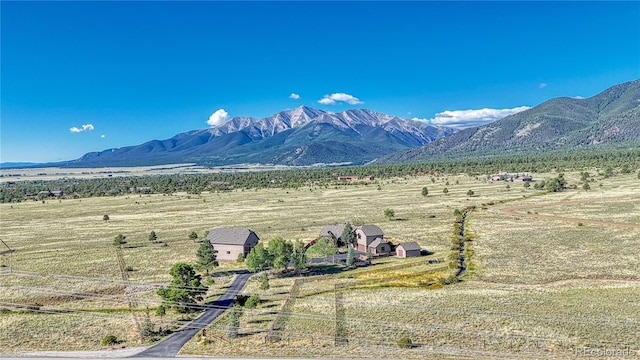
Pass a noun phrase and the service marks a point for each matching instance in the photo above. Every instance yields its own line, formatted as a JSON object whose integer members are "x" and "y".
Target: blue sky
{"x": 88, "y": 76}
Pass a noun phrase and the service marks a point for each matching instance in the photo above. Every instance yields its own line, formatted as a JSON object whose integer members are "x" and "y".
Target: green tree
{"x": 470, "y": 193}
{"x": 299, "y": 256}
{"x": 105, "y": 217}
{"x": 258, "y": 259}
{"x": 146, "y": 329}
{"x": 206, "y": 255}
{"x": 348, "y": 237}
{"x": 234, "y": 322}
{"x": 240, "y": 258}
{"x": 280, "y": 251}
{"x": 526, "y": 185}
{"x": 185, "y": 289}
{"x": 264, "y": 282}
{"x": 389, "y": 213}
{"x": 425, "y": 191}
{"x": 586, "y": 186}
{"x": 445, "y": 191}
{"x": 252, "y": 302}
{"x": 193, "y": 235}
{"x": 119, "y": 240}
{"x": 325, "y": 246}
{"x": 350, "y": 254}
{"x": 556, "y": 184}
{"x": 152, "y": 236}
{"x": 161, "y": 311}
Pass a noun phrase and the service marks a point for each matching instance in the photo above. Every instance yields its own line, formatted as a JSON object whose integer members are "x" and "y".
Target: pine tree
{"x": 206, "y": 256}
{"x": 350, "y": 254}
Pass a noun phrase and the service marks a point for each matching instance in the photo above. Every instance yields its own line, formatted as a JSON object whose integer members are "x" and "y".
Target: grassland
{"x": 550, "y": 273}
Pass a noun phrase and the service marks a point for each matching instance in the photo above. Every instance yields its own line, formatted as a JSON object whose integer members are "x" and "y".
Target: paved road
{"x": 170, "y": 346}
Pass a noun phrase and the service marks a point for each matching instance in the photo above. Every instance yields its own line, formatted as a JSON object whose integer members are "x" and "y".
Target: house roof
{"x": 232, "y": 236}
{"x": 336, "y": 230}
{"x": 375, "y": 243}
{"x": 411, "y": 245}
{"x": 371, "y": 230}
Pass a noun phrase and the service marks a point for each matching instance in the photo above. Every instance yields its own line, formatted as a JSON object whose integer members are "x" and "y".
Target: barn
{"x": 408, "y": 249}
{"x": 231, "y": 242}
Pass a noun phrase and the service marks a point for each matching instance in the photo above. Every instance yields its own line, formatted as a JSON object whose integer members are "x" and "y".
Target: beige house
{"x": 366, "y": 234}
{"x": 230, "y": 242}
{"x": 408, "y": 249}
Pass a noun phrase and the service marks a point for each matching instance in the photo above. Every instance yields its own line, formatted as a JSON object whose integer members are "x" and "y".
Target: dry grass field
{"x": 550, "y": 273}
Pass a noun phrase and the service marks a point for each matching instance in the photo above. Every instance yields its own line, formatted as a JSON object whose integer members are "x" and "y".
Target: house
{"x": 408, "y": 249}
{"x": 367, "y": 234}
{"x": 57, "y": 193}
{"x": 333, "y": 231}
{"x": 231, "y": 242}
{"x": 379, "y": 247}
{"x": 347, "y": 178}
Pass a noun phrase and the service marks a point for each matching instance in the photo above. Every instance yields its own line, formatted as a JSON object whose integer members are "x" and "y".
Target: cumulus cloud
{"x": 103, "y": 136}
{"x": 85, "y": 127}
{"x": 468, "y": 118}
{"x": 579, "y": 97}
{"x": 220, "y": 116}
{"x": 542, "y": 85}
{"x": 294, "y": 96}
{"x": 335, "y": 97}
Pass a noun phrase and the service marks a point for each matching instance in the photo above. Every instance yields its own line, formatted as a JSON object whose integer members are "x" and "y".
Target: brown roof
{"x": 375, "y": 243}
{"x": 336, "y": 230}
{"x": 231, "y": 236}
{"x": 371, "y": 230}
{"x": 411, "y": 245}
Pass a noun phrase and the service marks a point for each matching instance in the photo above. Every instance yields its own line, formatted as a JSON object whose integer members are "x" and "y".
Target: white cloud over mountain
{"x": 220, "y": 116}
{"x": 85, "y": 127}
{"x": 294, "y": 96}
{"x": 342, "y": 97}
{"x": 461, "y": 119}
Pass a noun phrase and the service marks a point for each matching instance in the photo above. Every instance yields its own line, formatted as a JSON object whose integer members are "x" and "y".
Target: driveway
{"x": 170, "y": 346}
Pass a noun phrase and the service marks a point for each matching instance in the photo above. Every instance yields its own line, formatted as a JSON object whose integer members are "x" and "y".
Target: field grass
{"x": 538, "y": 286}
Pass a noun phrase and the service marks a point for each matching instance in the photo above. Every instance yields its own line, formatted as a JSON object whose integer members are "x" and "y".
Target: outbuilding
{"x": 231, "y": 242}
{"x": 408, "y": 249}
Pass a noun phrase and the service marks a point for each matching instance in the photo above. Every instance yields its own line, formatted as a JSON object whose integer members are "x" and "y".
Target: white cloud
{"x": 294, "y": 96}
{"x": 579, "y": 97}
{"x": 218, "y": 117}
{"x": 333, "y": 98}
{"x": 103, "y": 136}
{"x": 542, "y": 85}
{"x": 85, "y": 127}
{"x": 468, "y": 118}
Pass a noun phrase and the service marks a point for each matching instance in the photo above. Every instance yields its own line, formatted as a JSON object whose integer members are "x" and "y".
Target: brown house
{"x": 366, "y": 234}
{"x": 408, "y": 249}
{"x": 230, "y": 242}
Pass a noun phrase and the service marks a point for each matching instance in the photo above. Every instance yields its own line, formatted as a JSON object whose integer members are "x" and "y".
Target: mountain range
{"x": 302, "y": 136}
{"x": 306, "y": 136}
{"x": 610, "y": 118}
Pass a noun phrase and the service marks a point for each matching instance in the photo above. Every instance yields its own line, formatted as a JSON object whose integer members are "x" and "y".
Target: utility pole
{"x": 10, "y": 251}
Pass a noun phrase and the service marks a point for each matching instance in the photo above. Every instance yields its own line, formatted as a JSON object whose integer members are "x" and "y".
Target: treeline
{"x": 614, "y": 161}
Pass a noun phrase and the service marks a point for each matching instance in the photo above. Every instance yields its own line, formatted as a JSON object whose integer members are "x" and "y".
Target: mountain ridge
{"x": 608, "y": 118}
{"x": 287, "y": 138}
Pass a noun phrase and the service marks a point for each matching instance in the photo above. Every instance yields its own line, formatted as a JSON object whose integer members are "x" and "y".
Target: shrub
{"x": 405, "y": 343}
{"x": 252, "y": 301}
{"x": 109, "y": 340}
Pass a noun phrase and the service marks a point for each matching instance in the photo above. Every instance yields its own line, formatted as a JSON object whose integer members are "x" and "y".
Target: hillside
{"x": 611, "y": 117}
{"x": 302, "y": 136}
